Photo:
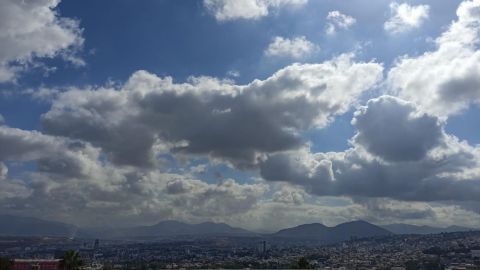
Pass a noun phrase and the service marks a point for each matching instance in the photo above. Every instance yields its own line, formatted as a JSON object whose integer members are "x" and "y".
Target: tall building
{"x": 96, "y": 245}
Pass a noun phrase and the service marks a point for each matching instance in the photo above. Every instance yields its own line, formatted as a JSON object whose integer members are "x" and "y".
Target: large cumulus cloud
{"x": 418, "y": 162}
{"x": 71, "y": 182}
{"x": 81, "y": 187}
{"x": 394, "y": 130}
{"x": 56, "y": 155}
{"x": 444, "y": 81}
{"x": 239, "y": 124}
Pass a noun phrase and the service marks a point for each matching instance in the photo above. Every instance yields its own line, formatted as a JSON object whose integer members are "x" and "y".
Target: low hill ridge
{"x": 340, "y": 232}
{"x": 29, "y": 226}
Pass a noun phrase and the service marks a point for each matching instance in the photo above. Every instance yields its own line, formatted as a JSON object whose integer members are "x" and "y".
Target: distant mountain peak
{"x": 30, "y": 226}
{"x": 311, "y": 225}
{"x": 168, "y": 221}
{"x": 341, "y": 232}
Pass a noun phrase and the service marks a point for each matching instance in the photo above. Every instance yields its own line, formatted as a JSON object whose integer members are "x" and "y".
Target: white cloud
{"x": 73, "y": 183}
{"x": 238, "y": 124}
{"x": 406, "y": 17}
{"x": 33, "y": 29}
{"x": 100, "y": 156}
{"x": 398, "y": 152}
{"x": 102, "y": 147}
{"x": 289, "y": 195}
{"x": 337, "y": 20}
{"x": 9, "y": 187}
{"x": 419, "y": 132}
{"x": 227, "y": 10}
{"x": 296, "y": 48}
{"x": 98, "y": 190}
{"x": 444, "y": 81}
{"x": 233, "y": 73}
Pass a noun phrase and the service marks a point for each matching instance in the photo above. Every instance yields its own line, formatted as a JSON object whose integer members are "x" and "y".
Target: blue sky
{"x": 258, "y": 116}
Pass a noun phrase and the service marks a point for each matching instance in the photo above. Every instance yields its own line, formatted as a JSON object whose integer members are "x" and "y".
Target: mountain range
{"x": 27, "y": 226}
{"x": 341, "y": 232}
{"x": 166, "y": 229}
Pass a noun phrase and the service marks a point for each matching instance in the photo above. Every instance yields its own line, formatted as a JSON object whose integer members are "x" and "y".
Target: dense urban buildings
{"x": 457, "y": 250}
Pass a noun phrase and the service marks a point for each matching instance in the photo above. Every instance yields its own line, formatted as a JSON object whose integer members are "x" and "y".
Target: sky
{"x": 261, "y": 114}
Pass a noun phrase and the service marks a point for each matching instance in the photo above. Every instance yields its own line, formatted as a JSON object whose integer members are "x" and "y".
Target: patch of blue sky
{"x": 218, "y": 173}
{"x": 466, "y": 125}
{"x": 19, "y": 169}
{"x": 334, "y": 137}
{"x": 202, "y": 169}
{"x": 21, "y": 111}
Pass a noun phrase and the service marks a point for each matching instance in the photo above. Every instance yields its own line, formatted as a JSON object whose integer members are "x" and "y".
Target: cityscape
{"x": 350, "y": 245}
{"x": 457, "y": 250}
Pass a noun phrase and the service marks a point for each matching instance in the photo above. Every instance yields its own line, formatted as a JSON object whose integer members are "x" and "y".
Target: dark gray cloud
{"x": 444, "y": 169}
{"x": 71, "y": 181}
{"x": 99, "y": 193}
{"x": 58, "y": 156}
{"x": 98, "y": 159}
{"x": 463, "y": 89}
{"x": 205, "y": 116}
{"x": 395, "y": 130}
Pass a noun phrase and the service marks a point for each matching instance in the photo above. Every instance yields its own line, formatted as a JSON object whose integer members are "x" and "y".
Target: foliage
{"x": 5, "y": 263}
{"x": 303, "y": 263}
{"x": 71, "y": 260}
{"x": 434, "y": 264}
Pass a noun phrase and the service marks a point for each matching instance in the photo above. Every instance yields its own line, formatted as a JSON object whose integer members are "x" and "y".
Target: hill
{"x": 341, "y": 232}
{"x": 28, "y": 226}
{"x": 168, "y": 229}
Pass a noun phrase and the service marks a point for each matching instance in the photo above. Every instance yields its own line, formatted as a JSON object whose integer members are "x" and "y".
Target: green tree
{"x": 303, "y": 263}
{"x": 71, "y": 260}
{"x": 107, "y": 266}
{"x": 5, "y": 263}
{"x": 433, "y": 265}
{"x": 412, "y": 265}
